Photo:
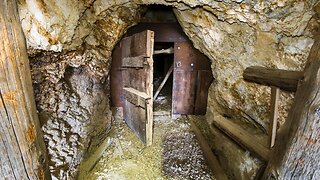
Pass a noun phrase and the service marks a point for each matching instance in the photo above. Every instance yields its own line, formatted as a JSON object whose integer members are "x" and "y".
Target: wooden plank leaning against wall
{"x": 22, "y": 148}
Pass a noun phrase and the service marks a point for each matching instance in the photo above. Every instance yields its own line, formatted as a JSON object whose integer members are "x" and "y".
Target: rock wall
{"x": 76, "y": 38}
{"x": 73, "y": 107}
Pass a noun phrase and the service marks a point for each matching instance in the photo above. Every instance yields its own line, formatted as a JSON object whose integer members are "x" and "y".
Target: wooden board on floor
{"x": 241, "y": 136}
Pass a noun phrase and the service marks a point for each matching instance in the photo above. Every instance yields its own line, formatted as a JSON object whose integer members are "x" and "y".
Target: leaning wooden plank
{"x": 297, "y": 150}
{"x": 23, "y": 153}
{"x": 283, "y": 79}
{"x": 274, "y": 115}
{"x": 163, "y": 82}
{"x": 241, "y": 136}
{"x": 210, "y": 158}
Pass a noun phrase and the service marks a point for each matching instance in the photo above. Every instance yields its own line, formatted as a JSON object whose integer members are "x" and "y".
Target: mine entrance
{"x": 156, "y": 66}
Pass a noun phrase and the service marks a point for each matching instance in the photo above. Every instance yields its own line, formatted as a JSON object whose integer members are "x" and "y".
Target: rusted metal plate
{"x": 184, "y": 79}
{"x": 191, "y": 79}
{"x": 204, "y": 80}
{"x": 164, "y": 32}
{"x": 137, "y": 62}
{"x": 183, "y": 92}
{"x": 116, "y": 93}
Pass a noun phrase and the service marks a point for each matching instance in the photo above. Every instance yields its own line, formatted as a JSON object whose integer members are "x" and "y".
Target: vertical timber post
{"x": 23, "y": 154}
{"x": 274, "y": 115}
{"x": 297, "y": 151}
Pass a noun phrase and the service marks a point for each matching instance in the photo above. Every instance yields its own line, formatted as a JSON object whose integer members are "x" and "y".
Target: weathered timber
{"x": 210, "y": 158}
{"x": 274, "y": 115}
{"x": 297, "y": 150}
{"x": 241, "y": 137}
{"x": 283, "y": 79}
{"x": 137, "y": 80}
{"x": 22, "y": 148}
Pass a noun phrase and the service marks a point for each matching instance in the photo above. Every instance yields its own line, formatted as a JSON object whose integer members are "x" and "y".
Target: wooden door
{"x": 137, "y": 79}
{"x": 192, "y": 78}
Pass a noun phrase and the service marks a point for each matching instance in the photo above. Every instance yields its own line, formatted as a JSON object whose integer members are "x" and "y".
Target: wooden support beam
{"x": 163, "y": 82}
{"x": 210, "y": 158}
{"x": 283, "y": 79}
{"x": 164, "y": 51}
{"x": 274, "y": 115}
{"x": 297, "y": 150}
{"x": 23, "y": 153}
{"x": 241, "y": 137}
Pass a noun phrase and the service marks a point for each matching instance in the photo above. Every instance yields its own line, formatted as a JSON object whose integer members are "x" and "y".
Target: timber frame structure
{"x": 296, "y": 154}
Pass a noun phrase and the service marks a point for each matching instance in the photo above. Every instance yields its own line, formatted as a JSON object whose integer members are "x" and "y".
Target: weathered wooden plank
{"x": 274, "y": 115}
{"x": 297, "y": 149}
{"x": 241, "y": 136}
{"x": 283, "y": 79}
{"x": 136, "y": 97}
{"x": 210, "y": 158}
{"x": 149, "y": 85}
{"x": 23, "y": 153}
{"x": 163, "y": 82}
{"x": 136, "y": 62}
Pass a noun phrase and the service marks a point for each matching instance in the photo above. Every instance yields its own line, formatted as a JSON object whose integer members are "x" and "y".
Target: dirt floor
{"x": 175, "y": 154}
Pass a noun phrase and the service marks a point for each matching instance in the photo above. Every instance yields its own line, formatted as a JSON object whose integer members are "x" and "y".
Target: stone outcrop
{"x": 71, "y": 42}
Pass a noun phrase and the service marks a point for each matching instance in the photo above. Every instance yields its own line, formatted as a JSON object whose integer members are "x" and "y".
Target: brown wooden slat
{"x": 283, "y": 79}
{"x": 136, "y": 97}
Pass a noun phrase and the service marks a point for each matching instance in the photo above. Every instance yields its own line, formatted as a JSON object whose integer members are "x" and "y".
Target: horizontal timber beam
{"x": 283, "y": 79}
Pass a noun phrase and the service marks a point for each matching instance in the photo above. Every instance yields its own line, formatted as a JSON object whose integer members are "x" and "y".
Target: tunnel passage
{"x": 152, "y": 56}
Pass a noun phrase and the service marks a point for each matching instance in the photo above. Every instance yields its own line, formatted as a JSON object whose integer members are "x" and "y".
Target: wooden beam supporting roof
{"x": 283, "y": 79}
